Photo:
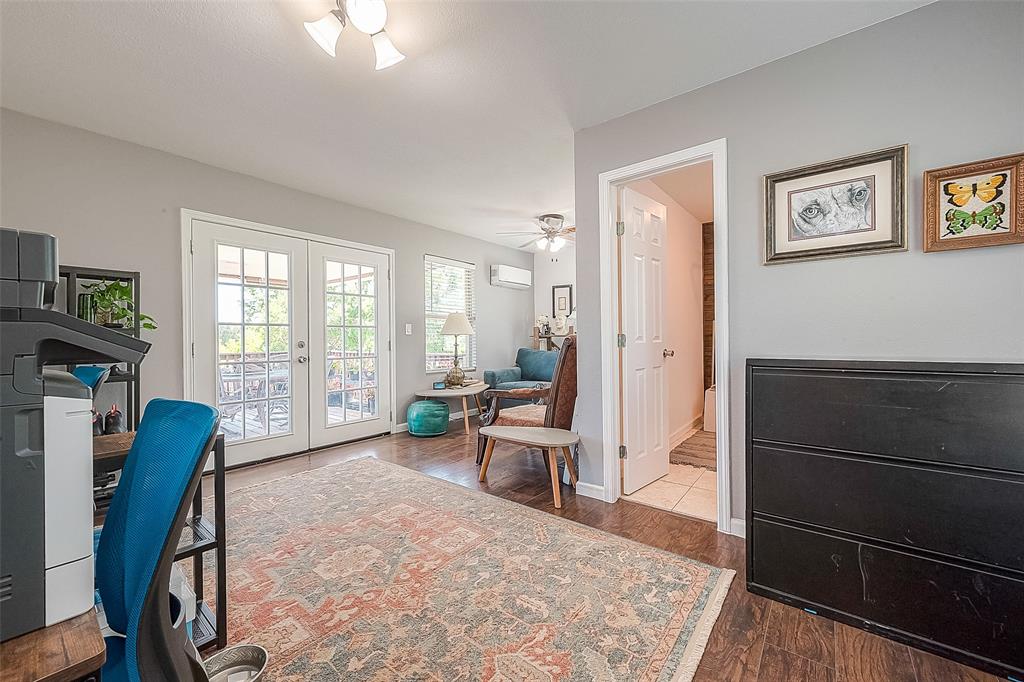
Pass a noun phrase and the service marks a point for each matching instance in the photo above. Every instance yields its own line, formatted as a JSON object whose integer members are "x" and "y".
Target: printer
{"x": 46, "y": 511}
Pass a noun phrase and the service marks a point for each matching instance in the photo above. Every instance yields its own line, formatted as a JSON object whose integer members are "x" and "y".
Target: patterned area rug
{"x": 698, "y": 450}
{"x": 369, "y": 571}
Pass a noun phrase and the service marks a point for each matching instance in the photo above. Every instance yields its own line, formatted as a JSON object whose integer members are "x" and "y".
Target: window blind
{"x": 450, "y": 288}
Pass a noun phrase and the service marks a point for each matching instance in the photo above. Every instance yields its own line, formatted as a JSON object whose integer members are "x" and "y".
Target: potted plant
{"x": 114, "y": 306}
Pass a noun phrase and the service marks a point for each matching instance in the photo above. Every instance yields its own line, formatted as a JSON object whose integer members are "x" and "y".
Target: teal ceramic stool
{"x": 427, "y": 418}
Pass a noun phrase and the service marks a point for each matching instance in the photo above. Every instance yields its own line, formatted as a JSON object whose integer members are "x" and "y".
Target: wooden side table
{"x": 463, "y": 392}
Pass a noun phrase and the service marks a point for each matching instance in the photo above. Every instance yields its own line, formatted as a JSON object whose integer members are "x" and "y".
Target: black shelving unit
{"x": 209, "y": 630}
{"x": 132, "y": 376}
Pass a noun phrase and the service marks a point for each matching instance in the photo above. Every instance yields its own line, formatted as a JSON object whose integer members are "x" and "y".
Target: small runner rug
{"x": 366, "y": 570}
{"x": 698, "y": 450}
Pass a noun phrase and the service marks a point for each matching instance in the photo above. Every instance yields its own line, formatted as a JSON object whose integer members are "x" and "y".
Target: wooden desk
{"x": 65, "y": 652}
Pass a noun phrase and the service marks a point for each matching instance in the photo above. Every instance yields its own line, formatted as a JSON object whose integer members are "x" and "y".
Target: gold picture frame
{"x": 974, "y": 204}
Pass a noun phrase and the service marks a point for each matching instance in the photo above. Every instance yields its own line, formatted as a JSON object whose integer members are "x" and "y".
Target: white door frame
{"x": 187, "y": 332}
{"x": 714, "y": 151}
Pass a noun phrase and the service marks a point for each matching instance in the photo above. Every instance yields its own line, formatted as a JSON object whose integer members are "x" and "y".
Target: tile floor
{"x": 687, "y": 490}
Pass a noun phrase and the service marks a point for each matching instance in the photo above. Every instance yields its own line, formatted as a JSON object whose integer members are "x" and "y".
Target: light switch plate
{"x": 408, "y": 329}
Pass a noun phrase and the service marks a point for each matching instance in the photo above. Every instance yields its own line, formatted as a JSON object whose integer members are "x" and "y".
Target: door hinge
{"x": 620, "y": 340}
{"x": 622, "y": 452}
{"x": 620, "y": 228}
{"x": 193, "y": 349}
{"x": 389, "y": 345}
{"x": 191, "y": 246}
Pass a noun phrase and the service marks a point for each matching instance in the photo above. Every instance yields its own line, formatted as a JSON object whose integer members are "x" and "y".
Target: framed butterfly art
{"x": 975, "y": 204}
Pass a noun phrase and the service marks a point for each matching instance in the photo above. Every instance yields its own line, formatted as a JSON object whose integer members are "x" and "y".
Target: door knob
{"x": 668, "y": 353}
{"x": 301, "y": 359}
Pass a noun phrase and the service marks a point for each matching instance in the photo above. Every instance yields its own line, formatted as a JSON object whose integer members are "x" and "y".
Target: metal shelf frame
{"x": 74, "y": 274}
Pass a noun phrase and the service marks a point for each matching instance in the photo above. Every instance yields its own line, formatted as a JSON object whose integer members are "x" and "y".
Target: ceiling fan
{"x": 553, "y": 234}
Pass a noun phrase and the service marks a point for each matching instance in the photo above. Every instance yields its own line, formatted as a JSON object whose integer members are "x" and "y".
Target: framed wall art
{"x": 845, "y": 207}
{"x": 561, "y": 300}
{"x": 974, "y": 204}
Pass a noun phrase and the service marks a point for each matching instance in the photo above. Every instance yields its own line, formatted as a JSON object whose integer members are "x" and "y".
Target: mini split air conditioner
{"x": 511, "y": 277}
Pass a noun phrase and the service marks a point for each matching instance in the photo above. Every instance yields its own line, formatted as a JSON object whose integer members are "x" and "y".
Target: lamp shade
{"x": 326, "y": 31}
{"x": 457, "y": 324}
{"x": 387, "y": 53}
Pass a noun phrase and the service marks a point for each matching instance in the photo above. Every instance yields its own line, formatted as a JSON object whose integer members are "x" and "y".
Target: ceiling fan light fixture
{"x": 542, "y": 243}
{"x": 552, "y": 220}
{"x": 387, "y": 53}
{"x": 556, "y": 244}
{"x": 369, "y": 16}
{"x": 325, "y": 31}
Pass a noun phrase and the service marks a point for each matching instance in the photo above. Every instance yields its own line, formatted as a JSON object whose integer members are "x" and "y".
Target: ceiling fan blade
{"x": 518, "y": 234}
{"x": 569, "y": 229}
{"x": 532, "y": 241}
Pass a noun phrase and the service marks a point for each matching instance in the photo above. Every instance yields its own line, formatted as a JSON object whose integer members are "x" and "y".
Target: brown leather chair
{"x": 559, "y": 401}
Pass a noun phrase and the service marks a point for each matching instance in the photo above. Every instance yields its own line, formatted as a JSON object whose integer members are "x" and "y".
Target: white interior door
{"x": 645, "y": 391}
{"x": 250, "y": 326}
{"x": 349, "y": 344}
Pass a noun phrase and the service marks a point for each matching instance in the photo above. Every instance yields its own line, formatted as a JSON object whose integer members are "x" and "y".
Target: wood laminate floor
{"x": 755, "y": 639}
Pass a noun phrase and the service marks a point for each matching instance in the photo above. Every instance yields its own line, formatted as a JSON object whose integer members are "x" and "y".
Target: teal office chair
{"x": 139, "y": 539}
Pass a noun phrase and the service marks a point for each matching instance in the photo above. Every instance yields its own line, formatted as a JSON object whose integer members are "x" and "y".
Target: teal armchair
{"x": 533, "y": 368}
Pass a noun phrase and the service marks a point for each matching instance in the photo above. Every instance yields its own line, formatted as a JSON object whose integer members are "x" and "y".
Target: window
{"x": 449, "y": 286}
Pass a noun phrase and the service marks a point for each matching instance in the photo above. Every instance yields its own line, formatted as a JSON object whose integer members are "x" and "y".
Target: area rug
{"x": 366, "y": 570}
{"x": 698, "y": 450}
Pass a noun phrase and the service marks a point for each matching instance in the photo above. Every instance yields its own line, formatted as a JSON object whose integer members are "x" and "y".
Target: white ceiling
{"x": 473, "y": 132}
{"x": 692, "y": 188}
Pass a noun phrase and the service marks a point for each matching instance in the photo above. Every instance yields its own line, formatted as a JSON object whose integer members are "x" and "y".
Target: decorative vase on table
{"x": 428, "y": 418}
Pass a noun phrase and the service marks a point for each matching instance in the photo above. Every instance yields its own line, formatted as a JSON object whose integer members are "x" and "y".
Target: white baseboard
{"x": 680, "y": 434}
{"x": 590, "y": 490}
{"x": 738, "y": 527}
{"x": 454, "y": 416}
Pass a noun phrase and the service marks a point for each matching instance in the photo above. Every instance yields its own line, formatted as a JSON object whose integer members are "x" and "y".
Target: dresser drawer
{"x": 973, "y": 612}
{"x": 959, "y": 513}
{"x": 966, "y": 419}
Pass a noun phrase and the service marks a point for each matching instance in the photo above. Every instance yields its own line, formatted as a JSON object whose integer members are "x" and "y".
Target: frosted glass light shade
{"x": 326, "y": 31}
{"x": 542, "y": 243}
{"x": 557, "y": 243}
{"x": 369, "y": 16}
{"x": 387, "y": 53}
{"x": 457, "y": 324}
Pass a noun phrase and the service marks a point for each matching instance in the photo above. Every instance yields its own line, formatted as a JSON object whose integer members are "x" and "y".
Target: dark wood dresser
{"x": 890, "y": 496}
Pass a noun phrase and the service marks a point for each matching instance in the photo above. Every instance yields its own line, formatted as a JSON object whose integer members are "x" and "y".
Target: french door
{"x": 291, "y": 340}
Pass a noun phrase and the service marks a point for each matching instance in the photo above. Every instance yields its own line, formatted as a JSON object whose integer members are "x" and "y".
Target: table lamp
{"x": 456, "y": 324}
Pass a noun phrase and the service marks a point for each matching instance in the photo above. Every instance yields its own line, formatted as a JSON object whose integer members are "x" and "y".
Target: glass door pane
{"x": 350, "y": 308}
{"x": 254, "y": 343}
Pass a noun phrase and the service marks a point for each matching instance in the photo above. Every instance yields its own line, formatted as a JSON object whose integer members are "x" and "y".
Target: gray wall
{"x": 915, "y": 79}
{"x": 115, "y": 204}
